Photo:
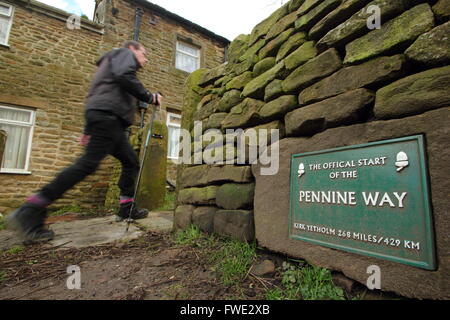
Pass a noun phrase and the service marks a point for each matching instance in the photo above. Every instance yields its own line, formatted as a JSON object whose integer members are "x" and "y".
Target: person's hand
{"x": 157, "y": 99}
{"x": 84, "y": 140}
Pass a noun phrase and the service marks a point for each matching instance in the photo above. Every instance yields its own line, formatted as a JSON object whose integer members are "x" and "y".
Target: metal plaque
{"x": 371, "y": 199}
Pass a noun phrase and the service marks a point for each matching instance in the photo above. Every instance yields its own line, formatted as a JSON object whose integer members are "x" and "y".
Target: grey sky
{"x": 227, "y": 18}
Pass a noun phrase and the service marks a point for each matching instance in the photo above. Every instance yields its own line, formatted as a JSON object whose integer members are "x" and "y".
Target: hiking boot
{"x": 28, "y": 221}
{"x": 124, "y": 212}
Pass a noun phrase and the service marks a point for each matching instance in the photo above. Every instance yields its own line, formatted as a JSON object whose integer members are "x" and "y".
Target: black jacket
{"x": 115, "y": 86}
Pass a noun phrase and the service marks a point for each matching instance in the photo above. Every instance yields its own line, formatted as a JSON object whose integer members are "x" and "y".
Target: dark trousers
{"x": 107, "y": 137}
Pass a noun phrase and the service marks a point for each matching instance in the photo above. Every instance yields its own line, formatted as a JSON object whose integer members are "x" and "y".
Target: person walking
{"x": 110, "y": 109}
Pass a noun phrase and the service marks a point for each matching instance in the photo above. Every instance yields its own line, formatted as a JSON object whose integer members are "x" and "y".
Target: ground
{"x": 149, "y": 262}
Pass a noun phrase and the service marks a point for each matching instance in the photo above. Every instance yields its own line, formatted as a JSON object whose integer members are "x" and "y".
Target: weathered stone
{"x": 241, "y": 67}
{"x": 237, "y": 48}
{"x": 271, "y": 48}
{"x": 212, "y": 75}
{"x": 278, "y": 107}
{"x": 207, "y": 110}
{"x": 285, "y": 23}
{"x": 229, "y": 173}
{"x": 432, "y": 48}
{"x": 194, "y": 176}
{"x": 344, "y": 282}
{"x": 265, "y": 268}
{"x": 294, "y": 5}
{"x": 152, "y": 185}
{"x": 305, "y": 22}
{"x": 203, "y": 218}
{"x": 273, "y": 90}
{"x": 272, "y": 200}
{"x": 224, "y": 80}
{"x": 215, "y": 120}
{"x": 205, "y": 100}
{"x": 229, "y": 100}
{"x": 340, "y": 110}
{"x": 442, "y": 10}
{"x": 414, "y": 94}
{"x": 304, "y": 53}
{"x": 262, "y": 28}
{"x": 201, "y": 196}
{"x": 219, "y": 155}
{"x": 336, "y": 17}
{"x": 268, "y": 127}
{"x": 400, "y": 31}
{"x": 252, "y": 51}
{"x": 237, "y": 224}
{"x": 192, "y": 97}
{"x": 263, "y": 66}
{"x": 183, "y": 217}
{"x": 244, "y": 114}
{"x": 255, "y": 88}
{"x": 240, "y": 82}
{"x": 290, "y": 45}
{"x": 307, "y": 5}
{"x": 313, "y": 70}
{"x": 356, "y": 26}
{"x": 354, "y": 77}
{"x": 234, "y": 196}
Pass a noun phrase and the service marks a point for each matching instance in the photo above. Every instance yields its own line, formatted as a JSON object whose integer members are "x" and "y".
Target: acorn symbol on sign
{"x": 301, "y": 169}
{"x": 402, "y": 161}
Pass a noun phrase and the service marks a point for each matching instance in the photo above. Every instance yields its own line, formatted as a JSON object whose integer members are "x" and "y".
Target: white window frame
{"x": 10, "y": 15}
{"x": 30, "y": 125}
{"x": 197, "y": 57}
{"x": 173, "y": 125}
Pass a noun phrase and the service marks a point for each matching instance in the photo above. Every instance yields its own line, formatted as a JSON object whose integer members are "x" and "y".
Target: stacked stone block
{"x": 316, "y": 71}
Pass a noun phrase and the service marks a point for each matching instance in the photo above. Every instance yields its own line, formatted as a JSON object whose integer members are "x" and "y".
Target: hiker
{"x": 110, "y": 110}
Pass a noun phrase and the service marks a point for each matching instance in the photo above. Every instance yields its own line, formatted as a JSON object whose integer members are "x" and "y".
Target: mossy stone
{"x": 400, "y": 31}
{"x": 304, "y": 53}
{"x": 152, "y": 187}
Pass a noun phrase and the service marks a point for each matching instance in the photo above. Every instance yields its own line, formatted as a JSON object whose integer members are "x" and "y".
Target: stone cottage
{"x": 47, "y": 59}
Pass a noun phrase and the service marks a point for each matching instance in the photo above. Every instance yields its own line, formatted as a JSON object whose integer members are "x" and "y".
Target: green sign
{"x": 370, "y": 199}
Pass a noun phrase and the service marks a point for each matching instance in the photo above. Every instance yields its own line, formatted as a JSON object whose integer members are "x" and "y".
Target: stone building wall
{"x": 48, "y": 67}
{"x": 315, "y": 71}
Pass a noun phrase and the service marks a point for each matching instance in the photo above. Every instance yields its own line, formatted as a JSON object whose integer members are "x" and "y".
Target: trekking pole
{"x": 147, "y": 141}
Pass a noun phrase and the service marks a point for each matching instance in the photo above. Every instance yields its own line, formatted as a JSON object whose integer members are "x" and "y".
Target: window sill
{"x": 5, "y": 171}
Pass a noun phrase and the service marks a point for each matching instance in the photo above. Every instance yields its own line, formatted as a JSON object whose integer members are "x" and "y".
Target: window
{"x": 174, "y": 125}
{"x": 188, "y": 57}
{"x": 18, "y": 124}
{"x": 6, "y": 14}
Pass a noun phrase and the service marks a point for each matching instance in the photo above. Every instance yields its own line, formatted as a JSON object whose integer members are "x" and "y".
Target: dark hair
{"x": 131, "y": 43}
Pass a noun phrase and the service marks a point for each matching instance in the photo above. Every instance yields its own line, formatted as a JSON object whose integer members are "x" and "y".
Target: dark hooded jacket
{"x": 115, "y": 86}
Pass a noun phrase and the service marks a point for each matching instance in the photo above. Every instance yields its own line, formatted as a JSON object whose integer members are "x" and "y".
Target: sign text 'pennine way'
{"x": 370, "y": 199}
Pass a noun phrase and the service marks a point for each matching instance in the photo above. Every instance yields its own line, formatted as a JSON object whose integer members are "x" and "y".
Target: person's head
{"x": 138, "y": 50}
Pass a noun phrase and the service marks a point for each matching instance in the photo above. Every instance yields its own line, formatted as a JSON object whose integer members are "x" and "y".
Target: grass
{"x": 306, "y": 283}
{"x": 14, "y": 250}
{"x": 169, "y": 202}
{"x": 231, "y": 259}
{"x": 66, "y": 209}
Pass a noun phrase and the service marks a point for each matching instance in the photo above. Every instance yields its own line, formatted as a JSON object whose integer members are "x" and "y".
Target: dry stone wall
{"x": 318, "y": 73}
